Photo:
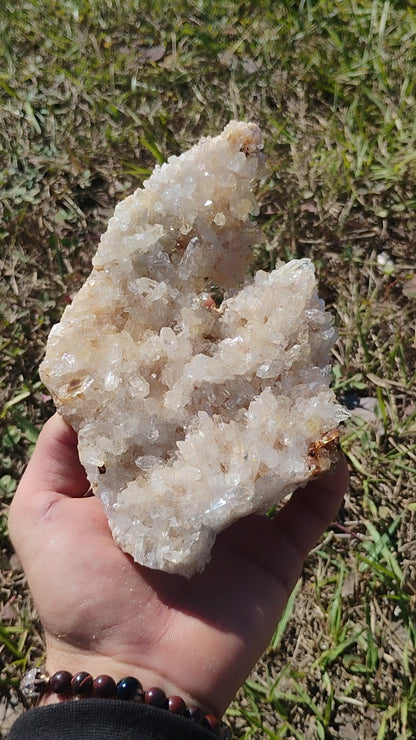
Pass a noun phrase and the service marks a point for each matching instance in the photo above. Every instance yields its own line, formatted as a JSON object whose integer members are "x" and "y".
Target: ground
{"x": 93, "y": 95}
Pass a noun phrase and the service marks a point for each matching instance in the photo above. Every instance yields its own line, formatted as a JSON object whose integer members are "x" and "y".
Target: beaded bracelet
{"x": 36, "y": 683}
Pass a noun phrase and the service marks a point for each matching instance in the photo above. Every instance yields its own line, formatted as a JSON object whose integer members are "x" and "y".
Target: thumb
{"x": 53, "y": 471}
{"x": 55, "y": 464}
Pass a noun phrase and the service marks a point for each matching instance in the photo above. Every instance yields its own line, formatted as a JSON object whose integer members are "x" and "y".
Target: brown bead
{"x": 81, "y": 684}
{"x": 60, "y": 682}
{"x": 176, "y": 705}
{"x": 155, "y": 697}
{"x": 104, "y": 687}
{"x": 211, "y": 723}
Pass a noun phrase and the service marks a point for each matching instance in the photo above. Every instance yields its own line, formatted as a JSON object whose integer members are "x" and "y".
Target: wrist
{"x": 54, "y": 686}
{"x": 63, "y": 685}
{"x": 60, "y": 657}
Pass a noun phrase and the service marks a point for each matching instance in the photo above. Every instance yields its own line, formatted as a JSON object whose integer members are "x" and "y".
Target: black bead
{"x": 156, "y": 698}
{"x": 104, "y": 687}
{"x": 176, "y": 705}
{"x": 81, "y": 684}
{"x": 129, "y": 688}
{"x": 60, "y": 682}
{"x": 195, "y": 713}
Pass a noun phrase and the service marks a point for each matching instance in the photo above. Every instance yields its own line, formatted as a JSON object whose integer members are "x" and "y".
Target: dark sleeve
{"x": 104, "y": 719}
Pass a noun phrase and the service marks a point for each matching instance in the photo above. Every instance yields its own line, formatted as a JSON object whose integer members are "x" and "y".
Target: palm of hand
{"x": 200, "y": 637}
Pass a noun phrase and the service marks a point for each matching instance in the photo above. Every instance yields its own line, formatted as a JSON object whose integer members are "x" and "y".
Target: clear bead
{"x": 34, "y": 683}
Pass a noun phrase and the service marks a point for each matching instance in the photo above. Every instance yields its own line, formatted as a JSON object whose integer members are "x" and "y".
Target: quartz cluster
{"x": 200, "y": 394}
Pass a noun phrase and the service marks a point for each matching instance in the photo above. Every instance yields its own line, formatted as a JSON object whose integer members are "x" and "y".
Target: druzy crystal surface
{"x": 200, "y": 394}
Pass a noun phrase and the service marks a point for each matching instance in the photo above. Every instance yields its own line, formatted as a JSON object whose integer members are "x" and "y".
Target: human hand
{"x": 103, "y": 613}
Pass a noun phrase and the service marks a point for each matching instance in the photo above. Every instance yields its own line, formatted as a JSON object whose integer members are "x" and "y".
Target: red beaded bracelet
{"x": 37, "y": 683}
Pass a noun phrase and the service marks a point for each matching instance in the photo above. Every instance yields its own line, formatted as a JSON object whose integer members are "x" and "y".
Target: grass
{"x": 92, "y": 96}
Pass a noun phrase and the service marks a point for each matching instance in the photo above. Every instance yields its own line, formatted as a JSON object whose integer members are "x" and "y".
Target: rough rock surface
{"x": 193, "y": 412}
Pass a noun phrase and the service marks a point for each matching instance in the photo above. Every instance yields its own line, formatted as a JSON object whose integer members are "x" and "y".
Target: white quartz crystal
{"x": 192, "y": 412}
